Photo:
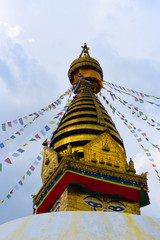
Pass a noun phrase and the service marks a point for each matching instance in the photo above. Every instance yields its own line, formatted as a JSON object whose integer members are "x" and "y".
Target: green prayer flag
{"x": 8, "y": 196}
{"x": 140, "y": 113}
{"x": 32, "y": 139}
{"x": 141, "y": 101}
{"x": 12, "y": 137}
{"x": 3, "y": 127}
{"x": 56, "y": 117}
{"x": 146, "y": 95}
{"x": 0, "y": 167}
{"x": 28, "y": 173}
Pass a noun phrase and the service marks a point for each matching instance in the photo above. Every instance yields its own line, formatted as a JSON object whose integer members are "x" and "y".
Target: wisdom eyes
{"x": 93, "y": 204}
{"x": 116, "y": 208}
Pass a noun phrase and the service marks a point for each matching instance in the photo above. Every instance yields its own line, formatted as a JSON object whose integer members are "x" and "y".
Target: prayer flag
{"x": 36, "y": 162}
{"x": 16, "y": 187}
{"x": 18, "y": 133}
{"x": 41, "y": 153}
{"x": 139, "y": 139}
{"x": 43, "y": 133}
{"x": 12, "y": 137}
{"x": 37, "y": 136}
{"x": 8, "y": 196}
{"x": 28, "y": 173}
{"x": 3, "y": 127}
{"x": 56, "y": 117}
{"x": 24, "y": 145}
{"x": 39, "y": 158}
{"x": 52, "y": 122}
{"x": 23, "y": 177}
{"x": 26, "y": 117}
{"x": 9, "y": 124}
{"x": 154, "y": 165}
{"x": 60, "y": 113}
{"x": 1, "y": 145}
{"x": 144, "y": 134}
{"x": 21, "y": 121}
{"x": 53, "y": 106}
{"x": 132, "y": 131}
{"x": 141, "y": 94}
{"x": 151, "y": 159}
{"x": 46, "y": 108}
{"x": 11, "y": 191}
{"x": 47, "y": 128}
{"x": 32, "y": 168}
{"x": 36, "y": 114}
{"x": 20, "y": 150}
{"x": 135, "y": 135}
{"x": 15, "y": 154}
{"x": 148, "y": 154}
{"x": 7, "y": 160}
{"x": 32, "y": 139}
{"x": 20, "y": 183}
{"x": 136, "y": 99}
{"x": 15, "y": 121}
{"x": 0, "y": 167}
{"x": 2, "y": 201}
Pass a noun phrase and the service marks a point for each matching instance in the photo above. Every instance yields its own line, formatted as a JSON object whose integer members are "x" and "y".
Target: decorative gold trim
{"x": 88, "y": 167}
{"x": 77, "y": 114}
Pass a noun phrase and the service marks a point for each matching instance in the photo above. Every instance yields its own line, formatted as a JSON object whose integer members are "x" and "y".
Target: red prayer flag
{"x": 32, "y": 168}
{"x": 144, "y": 134}
{"x": 53, "y": 105}
{"x": 136, "y": 99}
{"x": 60, "y": 113}
{"x": 11, "y": 191}
{"x": 36, "y": 114}
{"x": 18, "y": 133}
{"x": 7, "y": 160}
{"x": 141, "y": 94}
{"x": 37, "y": 136}
{"x": 136, "y": 108}
{"x": 9, "y": 124}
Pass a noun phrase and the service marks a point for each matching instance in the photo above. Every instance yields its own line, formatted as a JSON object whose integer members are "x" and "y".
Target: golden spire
{"x": 85, "y": 51}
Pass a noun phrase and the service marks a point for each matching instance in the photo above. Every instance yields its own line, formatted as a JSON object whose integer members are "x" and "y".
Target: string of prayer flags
{"x": 139, "y": 114}
{"x": 28, "y": 173}
{"x": 148, "y": 154}
{"x": 37, "y": 113}
{"x": 135, "y": 97}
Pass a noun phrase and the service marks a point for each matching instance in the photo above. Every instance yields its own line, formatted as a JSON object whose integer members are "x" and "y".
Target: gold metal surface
{"x": 75, "y": 138}
{"x": 80, "y": 127}
{"x": 79, "y": 113}
{"x": 76, "y": 120}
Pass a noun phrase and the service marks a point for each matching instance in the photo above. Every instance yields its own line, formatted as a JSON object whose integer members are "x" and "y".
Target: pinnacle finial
{"x": 85, "y": 51}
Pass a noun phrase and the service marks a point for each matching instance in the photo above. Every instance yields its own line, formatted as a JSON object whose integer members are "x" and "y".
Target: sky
{"x": 38, "y": 42}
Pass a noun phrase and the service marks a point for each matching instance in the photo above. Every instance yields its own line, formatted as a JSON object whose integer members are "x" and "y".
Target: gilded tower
{"x": 85, "y": 168}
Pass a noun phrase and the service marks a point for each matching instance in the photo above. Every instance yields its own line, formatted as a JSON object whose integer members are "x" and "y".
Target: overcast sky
{"x": 38, "y": 41}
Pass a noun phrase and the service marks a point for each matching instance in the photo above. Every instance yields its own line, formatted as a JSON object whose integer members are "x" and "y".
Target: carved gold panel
{"x": 50, "y": 163}
{"x": 103, "y": 150}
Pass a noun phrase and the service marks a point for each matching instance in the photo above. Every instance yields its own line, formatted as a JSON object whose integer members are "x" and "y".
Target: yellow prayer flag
{"x": 110, "y": 106}
{"x": 129, "y": 127}
{"x": 146, "y": 150}
{"x": 128, "y": 90}
{"x": 55, "y": 128}
{"x": 123, "y": 92}
{"x": 2, "y": 201}
{"x": 146, "y": 117}
{"x": 138, "y": 115}
{"x": 26, "y": 117}
{"x": 30, "y": 122}
{"x": 24, "y": 145}
{"x": 41, "y": 153}
{"x": 46, "y": 108}
{"x": 7, "y": 139}
{"x": 131, "y": 124}
{"x": 23, "y": 177}
{"x": 52, "y": 122}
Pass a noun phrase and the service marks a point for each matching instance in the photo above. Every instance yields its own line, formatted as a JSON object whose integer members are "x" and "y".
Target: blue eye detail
{"x": 116, "y": 208}
{"x": 93, "y": 204}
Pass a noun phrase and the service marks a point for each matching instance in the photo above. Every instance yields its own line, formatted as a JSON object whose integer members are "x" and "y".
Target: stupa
{"x": 90, "y": 190}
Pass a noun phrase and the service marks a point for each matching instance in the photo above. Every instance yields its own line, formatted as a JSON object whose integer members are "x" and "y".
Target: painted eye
{"x": 93, "y": 204}
{"x": 57, "y": 209}
{"x": 116, "y": 208}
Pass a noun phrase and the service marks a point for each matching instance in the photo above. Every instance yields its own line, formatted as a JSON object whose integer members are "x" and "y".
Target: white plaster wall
{"x": 81, "y": 225}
